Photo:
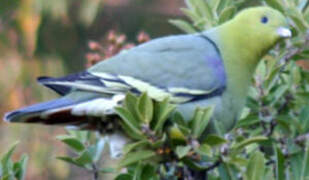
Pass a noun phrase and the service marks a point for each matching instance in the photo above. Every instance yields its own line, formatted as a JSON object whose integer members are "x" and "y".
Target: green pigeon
{"x": 210, "y": 68}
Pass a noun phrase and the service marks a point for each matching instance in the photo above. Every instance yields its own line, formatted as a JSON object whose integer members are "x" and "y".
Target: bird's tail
{"x": 83, "y": 113}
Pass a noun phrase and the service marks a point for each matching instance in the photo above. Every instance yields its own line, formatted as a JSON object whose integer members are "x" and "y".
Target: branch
{"x": 301, "y": 139}
{"x": 95, "y": 171}
{"x": 202, "y": 175}
{"x": 285, "y": 59}
{"x": 294, "y": 51}
{"x": 273, "y": 122}
{"x": 213, "y": 166}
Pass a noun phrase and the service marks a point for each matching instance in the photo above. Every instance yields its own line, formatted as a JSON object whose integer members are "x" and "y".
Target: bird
{"x": 210, "y": 68}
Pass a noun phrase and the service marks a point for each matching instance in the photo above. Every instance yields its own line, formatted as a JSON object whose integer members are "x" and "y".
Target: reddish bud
{"x": 142, "y": 37}
{"x": 93, "y": 58}
{"x": 94, "y": 46}
{"x": 111, "y": 37}
{"x": 121, "y": 39}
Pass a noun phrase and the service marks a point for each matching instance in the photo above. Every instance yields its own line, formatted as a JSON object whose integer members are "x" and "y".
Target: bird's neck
{"x": 240, "y": 55}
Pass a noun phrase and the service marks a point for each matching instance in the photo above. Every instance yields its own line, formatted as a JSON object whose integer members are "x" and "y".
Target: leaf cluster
{"x": 270, "y": 141}
{"x": 87, "y": 149}
{"x": 277, "y": 108}
{"x": 10, "y": 170}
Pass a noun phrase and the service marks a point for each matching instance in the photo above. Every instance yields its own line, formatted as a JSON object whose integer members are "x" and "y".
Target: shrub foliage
{"x": 270, "y": 141}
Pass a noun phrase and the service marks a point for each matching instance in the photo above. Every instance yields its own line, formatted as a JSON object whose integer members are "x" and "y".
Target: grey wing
{"x": 184, "y": 68}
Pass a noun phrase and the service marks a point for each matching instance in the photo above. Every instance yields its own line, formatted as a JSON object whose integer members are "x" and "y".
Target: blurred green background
{"x": 39, "y": 37}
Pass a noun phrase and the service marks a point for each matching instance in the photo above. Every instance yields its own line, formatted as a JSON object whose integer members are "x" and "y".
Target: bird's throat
{"x": 240, "y": 58}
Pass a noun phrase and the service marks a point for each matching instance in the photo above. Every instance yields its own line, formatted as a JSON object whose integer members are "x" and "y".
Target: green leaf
{"x": 137, "y": 171}
{"x": 247, "y": 121}
{"x": 185, "y": 130}
{"x": 107, "y": 170}
{"x": 130, "y": 104}
{"x": 297, "y": 165}
{"x": 269, "y": 174}
{"x": 204, "y": 150}
{"x": 130, "y": 123}
{"x": 72, "y": 142}
{"x": 214, "y": 4}
{"x": 204, "y": 9}
{"x": 135, "y": 157}
{"x": 275, "y": 4}
{"x": 238, "y": 161}
{"x": 145, "y": 107}
{"x": 256, "y": 166}
{"x": 280, "y": 169}
{"x": 239, "y": 146}
{"x": 214, "y": 140}
{"x": 6, "y": 158}
{"x": 184, "y": 26}
{"x": 96, "y": 149}
{"x": 69, "y": 160}
{"x": 304, "y": 119}
{"x": 20, "y": 167}
{"x": 130, "y": 147}
{"x": 226, "y": 172}
{"x": 160, "y": 142}
{"x": 189, "y": 4}
{"x": 194, "y": 165}
{"x": 191, "y": 14}
{"x": 176, "y": 133}
{"x": 297, "y": 18}
{"x": 84, "y": 159}
{"x": 127, "y": 117}
{"x": 130, "y": 132}
{"x": 201, "y": 120}
{"x": 222, "y": 5}
{"x": 82, "y": 136}
{"x": 178, "y": 119}
{"x": 162, "y": 112}
{"x": 149, "y": 172}
{"x": 1, "y": 170}
{"x": 284, "y": 125}
{"x": 305, "y": 164}
{"x": 124, "y": 177}
{"x": 303, "y": 4}
{"x": 227, "y": 14}
{"x": 182, "y": 151}
{"x": 279, "y": 93}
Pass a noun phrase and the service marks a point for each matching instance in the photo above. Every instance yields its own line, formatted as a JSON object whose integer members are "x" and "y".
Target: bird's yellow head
{"x": 262, "y": 26}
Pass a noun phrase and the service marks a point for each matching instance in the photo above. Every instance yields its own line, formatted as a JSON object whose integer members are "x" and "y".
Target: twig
{"x": 95, "y": 171}
{"x": 288, "y": 99}
{"x": 213, "y": 166}
{"x": 273, "y": 124}
{"x": 294, "y": 51}
{"x": 285, "y": 59}
{"x": 301, "y": 139}
{"x": 270, "y": 162}
{"x": 202, "y": 175}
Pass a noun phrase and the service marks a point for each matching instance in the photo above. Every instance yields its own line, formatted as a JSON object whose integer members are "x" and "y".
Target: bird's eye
{"x": 264, "y": 19}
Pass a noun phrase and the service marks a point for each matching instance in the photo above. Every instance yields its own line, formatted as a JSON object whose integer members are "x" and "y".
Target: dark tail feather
{"x": 32, "y": 113}
{"x": 61, "y": 115}
{"x": 58, "y": 84}
{"x": 59, "y": 112}
{"x": 60, "y": 89}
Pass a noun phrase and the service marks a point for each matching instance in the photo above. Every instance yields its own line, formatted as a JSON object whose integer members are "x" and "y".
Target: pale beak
{"x": 284, "y": 32}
